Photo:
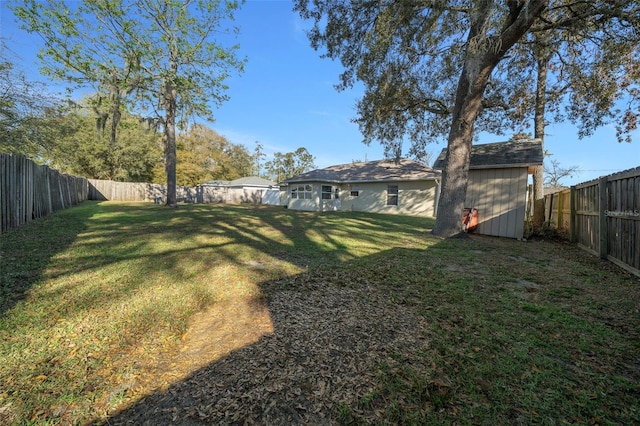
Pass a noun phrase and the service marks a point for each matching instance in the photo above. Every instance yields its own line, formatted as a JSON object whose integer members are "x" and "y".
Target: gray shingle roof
{"x": 252, "y": 181}
{"x": 501, "y": 155}
{"x": 245, "y": 181}
{"x": 372, "y": 171}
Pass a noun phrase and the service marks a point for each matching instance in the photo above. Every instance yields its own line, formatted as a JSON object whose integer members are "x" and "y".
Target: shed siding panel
{"x": 499, "y": 195}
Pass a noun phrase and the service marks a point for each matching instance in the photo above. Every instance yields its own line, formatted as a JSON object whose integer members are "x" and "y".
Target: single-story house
{"x": 398, "y": 186}
{"x": 251, "y": 189}
{"x": 497, "y": 187}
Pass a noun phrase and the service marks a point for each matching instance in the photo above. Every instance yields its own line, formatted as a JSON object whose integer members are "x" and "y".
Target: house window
{"x": 326, "y": 192}
{"x": 337, "y": 194}
{"x": 302, "y": 192}
{"x": 392, "y": 195}
{"x": 355, "y": 193}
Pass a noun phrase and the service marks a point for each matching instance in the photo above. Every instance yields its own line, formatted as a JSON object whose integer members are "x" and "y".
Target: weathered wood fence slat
{"x": 602, "y": 216}
{"x": 107, "y": 190}
{"x": 30, "y": 191}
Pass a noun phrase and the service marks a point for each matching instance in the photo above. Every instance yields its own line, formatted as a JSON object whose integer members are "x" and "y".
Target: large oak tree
{"x": 426, "y": 68}
{"x": 434, "y": 69}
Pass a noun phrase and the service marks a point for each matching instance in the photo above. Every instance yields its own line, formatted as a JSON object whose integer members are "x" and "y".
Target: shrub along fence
{"x": 30, "y": 191}
{"x": 602, "y": 216}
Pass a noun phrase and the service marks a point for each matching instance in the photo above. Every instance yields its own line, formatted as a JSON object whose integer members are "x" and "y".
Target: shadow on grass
{"x": 92, "y": 288}
{"x": 415, "y": 336}
{"x": 25, "y": 252}
{"x": 366, "y": 330}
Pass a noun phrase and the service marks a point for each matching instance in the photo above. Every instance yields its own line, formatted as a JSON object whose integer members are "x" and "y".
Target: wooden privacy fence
{"x": 131, "y": 191}
{"x": 603, "y": 217}
{"x": 30, "y": 191}
{"x": 108, "y": 190}
{"x": 557, "y": 209}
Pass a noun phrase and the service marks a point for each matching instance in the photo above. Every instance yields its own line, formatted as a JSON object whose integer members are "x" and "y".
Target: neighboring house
{"x": 498, "y": 177}
{"x": 252, "y": 189}
{"x": 386, "y": 186}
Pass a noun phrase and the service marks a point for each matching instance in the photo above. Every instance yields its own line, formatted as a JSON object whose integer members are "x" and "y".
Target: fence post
{"x": 559, "y": 224}
{"x": 602, "y": 217}
{"x": 572, "y": 216}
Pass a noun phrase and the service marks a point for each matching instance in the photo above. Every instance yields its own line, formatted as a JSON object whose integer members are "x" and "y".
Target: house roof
{"x": 244, "y": 181}
{"x": 499, "y": 155}
{"x": 402, "y": 169}
{"x": 252, "y": 181}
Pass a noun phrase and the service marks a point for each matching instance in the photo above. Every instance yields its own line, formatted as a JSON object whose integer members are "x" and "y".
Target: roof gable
{"x": 372, "y": 171}
{"x": 499, "y": 155}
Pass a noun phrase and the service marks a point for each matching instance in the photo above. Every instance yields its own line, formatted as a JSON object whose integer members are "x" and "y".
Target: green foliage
{"x": 205, "y": 155}
{"x": 28, "y": 112}
{"x": 82, "y": 151}
{"x": 289, "y": 164}
{"x": 586, "y": 54}
{"x": 159, "y": 55}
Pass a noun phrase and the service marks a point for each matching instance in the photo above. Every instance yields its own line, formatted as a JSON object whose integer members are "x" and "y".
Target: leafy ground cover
{"x": 136, "y": 314}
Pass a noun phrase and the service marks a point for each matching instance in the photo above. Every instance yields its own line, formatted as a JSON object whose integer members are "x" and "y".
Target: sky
{"x": 286, "y": 99}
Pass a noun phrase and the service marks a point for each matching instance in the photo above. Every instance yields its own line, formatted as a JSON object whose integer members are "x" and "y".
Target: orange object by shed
{"x": 469, "y": 219}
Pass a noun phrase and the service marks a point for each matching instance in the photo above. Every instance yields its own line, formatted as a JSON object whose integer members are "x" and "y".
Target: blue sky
{"x": 285, "y": 99}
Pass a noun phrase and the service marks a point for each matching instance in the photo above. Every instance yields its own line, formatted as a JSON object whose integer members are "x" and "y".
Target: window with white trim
{"x": 301, "y": 192}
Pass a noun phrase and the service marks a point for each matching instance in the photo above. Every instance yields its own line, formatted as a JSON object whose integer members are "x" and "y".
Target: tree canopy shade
{"x": 161, "y": 54}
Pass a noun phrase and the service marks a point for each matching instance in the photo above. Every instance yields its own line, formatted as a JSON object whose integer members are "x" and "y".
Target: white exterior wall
{"x": 417, "y": 198}
{"x": 500, "y": 197}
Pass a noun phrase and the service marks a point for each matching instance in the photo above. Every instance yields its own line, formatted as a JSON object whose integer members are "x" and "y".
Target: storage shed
{"x": 498, "y": 174}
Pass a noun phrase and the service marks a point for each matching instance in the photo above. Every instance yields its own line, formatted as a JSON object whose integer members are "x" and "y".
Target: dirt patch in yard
{"x": 333, "y": 347}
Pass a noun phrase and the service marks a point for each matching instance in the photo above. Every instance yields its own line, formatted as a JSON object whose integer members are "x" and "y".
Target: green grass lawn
{"x": 95, "y": 299}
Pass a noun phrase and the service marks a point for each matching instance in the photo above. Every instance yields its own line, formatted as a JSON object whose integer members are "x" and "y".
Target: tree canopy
{"x": 27, "y": 111}
{"x": 445, "y": 69}
{"x": 206, "y": 155}
{"x": 160, "y": 54}
{"x": 289, "y": 164}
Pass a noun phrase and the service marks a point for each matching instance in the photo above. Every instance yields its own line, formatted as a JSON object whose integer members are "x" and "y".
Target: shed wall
{"x": 500, "y": 197}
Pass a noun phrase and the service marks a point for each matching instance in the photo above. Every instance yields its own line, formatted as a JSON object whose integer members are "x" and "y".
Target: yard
{"x": 123, "y": 313}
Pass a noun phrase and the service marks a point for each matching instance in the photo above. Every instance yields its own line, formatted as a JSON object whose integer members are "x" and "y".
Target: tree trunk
{"x": 455, "y": 175}
{"x": 478, "y": 66}
{"x": 542, "y": 59}
{"x": 170, "y": 96}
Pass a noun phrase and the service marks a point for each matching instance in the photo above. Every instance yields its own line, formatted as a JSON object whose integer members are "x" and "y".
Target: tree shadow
{"x": 85, "y": 240}
{"x": 26, "y": 251}
{"x": 331, "y": 330}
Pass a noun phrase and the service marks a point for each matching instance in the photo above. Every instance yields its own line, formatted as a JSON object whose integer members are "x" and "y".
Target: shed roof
{"x": 402, "y": 169}
{"x": 500, "y": 155}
